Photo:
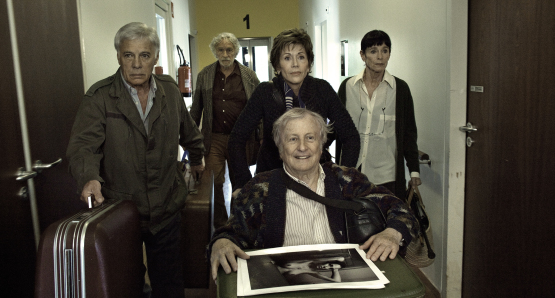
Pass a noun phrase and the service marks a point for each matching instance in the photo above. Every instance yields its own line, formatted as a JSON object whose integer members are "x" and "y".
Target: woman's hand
{"x": 383, "y": 245}
{"x": 415, "y": 181}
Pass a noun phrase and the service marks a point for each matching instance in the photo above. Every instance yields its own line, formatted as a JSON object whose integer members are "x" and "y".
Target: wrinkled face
{"x": 376, "y": 57}
{"x": 225, "y": 53}
{"x": 293, "y": 65}
{"x": 137, "y": 59}
{"x": 301, "y": 146}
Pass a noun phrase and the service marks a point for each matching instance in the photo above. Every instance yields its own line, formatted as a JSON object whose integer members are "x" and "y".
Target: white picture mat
{"x": 244, "y": 285}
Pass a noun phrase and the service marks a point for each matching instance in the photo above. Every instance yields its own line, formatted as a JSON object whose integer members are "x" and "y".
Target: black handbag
{"x": 363, "y": 218}
{"x": 420, "y": 252}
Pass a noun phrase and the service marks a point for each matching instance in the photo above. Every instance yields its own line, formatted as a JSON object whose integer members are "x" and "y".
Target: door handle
{"x": 39, "y": 166}
{"x": 469, "y": 142}
{"x": 468, "y": 128}
{"x": 23, "y": 175}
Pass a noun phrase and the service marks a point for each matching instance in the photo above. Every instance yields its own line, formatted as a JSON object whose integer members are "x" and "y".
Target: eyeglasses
{"x": 372, "y": 133}
{"x": 362, "y": 110}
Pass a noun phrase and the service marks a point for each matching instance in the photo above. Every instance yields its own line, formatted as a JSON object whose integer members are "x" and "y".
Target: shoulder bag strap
{"x": 419, "y": 197}
{"x": 409, "y": 197}
{"x": 412, "y": 191}
{"x": 308, "y": 193}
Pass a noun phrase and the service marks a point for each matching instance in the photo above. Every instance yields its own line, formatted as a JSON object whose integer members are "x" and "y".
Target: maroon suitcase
{"x": 94, "y": 253}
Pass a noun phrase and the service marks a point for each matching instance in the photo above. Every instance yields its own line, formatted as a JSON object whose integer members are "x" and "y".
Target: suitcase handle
{"x": 90, "y": 201}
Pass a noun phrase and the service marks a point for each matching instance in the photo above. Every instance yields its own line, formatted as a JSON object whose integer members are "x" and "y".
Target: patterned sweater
{"x": 257, "y": 217}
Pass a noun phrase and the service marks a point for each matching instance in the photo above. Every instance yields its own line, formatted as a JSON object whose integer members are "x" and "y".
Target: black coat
{"x": 318, "y": 96}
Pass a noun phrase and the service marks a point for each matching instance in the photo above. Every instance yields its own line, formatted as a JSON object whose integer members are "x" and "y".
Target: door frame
{"x": 257, "y": 42}
{"x": 23, "y": 122}
{"x": 166, "y": 8}
{"x": 456, "y": 158}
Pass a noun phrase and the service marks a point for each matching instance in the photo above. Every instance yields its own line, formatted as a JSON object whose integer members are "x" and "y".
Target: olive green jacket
{"x": 109, "y": 143}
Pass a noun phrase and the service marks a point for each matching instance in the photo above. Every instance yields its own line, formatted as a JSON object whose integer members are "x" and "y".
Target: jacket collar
{"x": 124, "y": 102}
{"x": 159, "y": 102}
{"x": 387, "y": 77}
{"x": 246, "y": 78}
{"x": 235, "y": 67}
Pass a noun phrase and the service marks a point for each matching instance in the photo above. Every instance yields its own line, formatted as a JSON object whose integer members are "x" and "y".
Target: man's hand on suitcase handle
{"x": 92, "y": 189}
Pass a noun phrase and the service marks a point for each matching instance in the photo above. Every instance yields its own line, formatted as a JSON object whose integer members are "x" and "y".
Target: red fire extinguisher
{"x": 184, "y": 75}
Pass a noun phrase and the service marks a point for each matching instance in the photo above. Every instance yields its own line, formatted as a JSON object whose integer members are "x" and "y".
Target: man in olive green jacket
{"x": 124, "y": 145}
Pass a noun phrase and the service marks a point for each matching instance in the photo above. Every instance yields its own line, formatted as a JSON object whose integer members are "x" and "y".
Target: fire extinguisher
{"x": 184, "y": 75}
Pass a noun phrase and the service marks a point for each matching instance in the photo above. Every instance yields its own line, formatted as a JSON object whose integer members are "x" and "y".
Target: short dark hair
{"x": 375, "y": 38}
{"x": 286, "y": 38}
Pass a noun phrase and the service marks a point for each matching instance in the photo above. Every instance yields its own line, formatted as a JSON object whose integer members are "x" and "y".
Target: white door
{"x": 164, "y": 29}
{"x": 255, "y": 54}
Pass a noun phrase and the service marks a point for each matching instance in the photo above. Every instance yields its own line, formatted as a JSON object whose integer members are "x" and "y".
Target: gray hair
{"x": 137, "y": 30}
{"x": 224, "y": 35}
{"x": 299, "y": 113}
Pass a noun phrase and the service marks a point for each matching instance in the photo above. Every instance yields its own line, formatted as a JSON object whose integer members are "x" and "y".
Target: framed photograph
{"x": 307, "y": 267}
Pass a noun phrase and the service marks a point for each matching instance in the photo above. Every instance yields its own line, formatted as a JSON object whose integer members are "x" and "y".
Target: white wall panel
{"x": 101, "y": 19}
{"x": 424, "y": 34}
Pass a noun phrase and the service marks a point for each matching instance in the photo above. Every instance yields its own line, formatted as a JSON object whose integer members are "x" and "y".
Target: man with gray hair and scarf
{"x": 221, "y": 93}
{"x": 124, "y": 145}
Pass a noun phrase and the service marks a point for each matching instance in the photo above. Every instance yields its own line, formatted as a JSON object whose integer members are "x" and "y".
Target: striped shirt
{"x": 306, "y": 221}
